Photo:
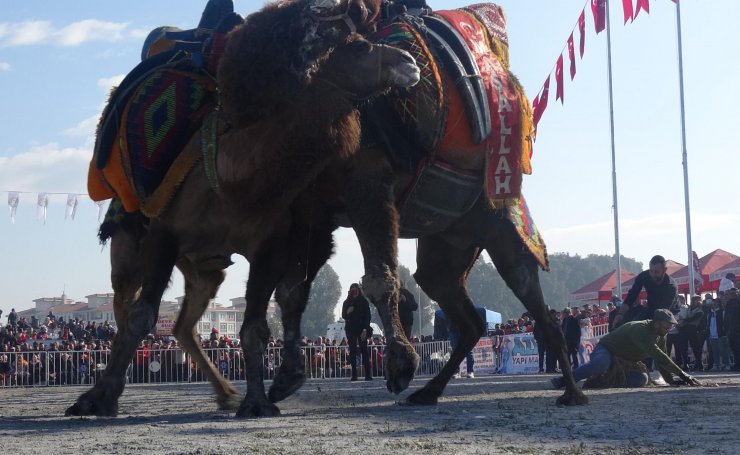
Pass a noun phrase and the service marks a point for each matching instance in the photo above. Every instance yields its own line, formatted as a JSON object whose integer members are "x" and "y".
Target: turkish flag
{"x": 572, "y": 56}
{"x": 582, "y": 30}
{"x": 629, "y": 13}
{"x": 540, "y": 103}
{"x": 642, "y": 4}
{"x": 559, "y": 80}
{"x": 598, "y": 7}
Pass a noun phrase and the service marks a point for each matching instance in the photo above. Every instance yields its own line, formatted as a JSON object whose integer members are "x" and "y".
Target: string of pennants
{"x": 42, "y": 204}
{"x": 632, "y": 9}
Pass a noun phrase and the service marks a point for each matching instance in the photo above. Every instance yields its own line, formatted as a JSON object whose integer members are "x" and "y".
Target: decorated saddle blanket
{"x": 162, "y": 114}
{"x": 155, "y": 111}
{"x": 468, "y": 109}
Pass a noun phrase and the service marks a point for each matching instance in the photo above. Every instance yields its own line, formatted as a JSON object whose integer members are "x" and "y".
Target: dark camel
{"x": 371, "y": 185}
{"x": 324, "y": 69}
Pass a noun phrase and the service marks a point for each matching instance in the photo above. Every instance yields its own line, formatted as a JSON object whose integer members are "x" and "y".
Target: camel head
{"x": 364, "y": 70}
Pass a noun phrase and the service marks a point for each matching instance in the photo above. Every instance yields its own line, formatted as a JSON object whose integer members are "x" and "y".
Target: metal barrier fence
{"x": 63, "y": 368}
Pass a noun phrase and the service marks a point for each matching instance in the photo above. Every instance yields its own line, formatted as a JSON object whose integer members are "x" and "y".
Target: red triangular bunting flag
{"x": 628, "y": 11}
{"x": 540, "y": 103}
{"x": 572, "y": 56}
{"x": 582, "y": 30}
{"x": 598, "y": 7}
{"x": 559, "y": 79}
{"x": 642, "y": 4}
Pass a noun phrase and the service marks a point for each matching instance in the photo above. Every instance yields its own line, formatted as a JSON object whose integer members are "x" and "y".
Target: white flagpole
{"x": 689, "y": 248}
{"x": 615, "y": 205}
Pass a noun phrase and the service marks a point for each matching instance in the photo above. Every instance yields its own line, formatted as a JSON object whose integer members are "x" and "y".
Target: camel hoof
{"x": 576, "y": 398}
{"x": 229, "y": 402}
{"x": 401, "y": 362}
{"x": 285, "y": 385}
{"x": 88, "y": 405}
{"x": 420, "y": 398}
{"x": 253, "y": 410}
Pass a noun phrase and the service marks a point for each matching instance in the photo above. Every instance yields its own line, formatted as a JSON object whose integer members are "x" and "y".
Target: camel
{"x": 370, "y": 198}
{"x": 318, "y": 69}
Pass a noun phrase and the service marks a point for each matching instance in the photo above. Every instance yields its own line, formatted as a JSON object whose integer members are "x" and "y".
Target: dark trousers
{"x": 353, "y": 338}
{"x": 689, "y": 336}
{"x": 734, "y": 341}
{"x": 573, "y": 355}
{"x": 671, "y": 341}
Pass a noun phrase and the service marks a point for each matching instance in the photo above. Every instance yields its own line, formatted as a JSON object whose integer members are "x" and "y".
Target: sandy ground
{"x": 501, "y": 414}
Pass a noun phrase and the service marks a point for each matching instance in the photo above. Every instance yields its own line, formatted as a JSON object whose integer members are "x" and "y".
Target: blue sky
{"x": 58, "y": 59}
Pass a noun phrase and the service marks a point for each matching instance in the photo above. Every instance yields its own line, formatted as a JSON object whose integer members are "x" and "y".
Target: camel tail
{"x": 117, "y": 218}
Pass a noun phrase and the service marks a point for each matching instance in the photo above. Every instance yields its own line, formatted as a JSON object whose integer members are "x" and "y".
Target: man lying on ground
{"x": 617, "y": 360}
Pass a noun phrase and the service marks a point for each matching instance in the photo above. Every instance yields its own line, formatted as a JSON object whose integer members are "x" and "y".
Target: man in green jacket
{"x": 627, "y": 345}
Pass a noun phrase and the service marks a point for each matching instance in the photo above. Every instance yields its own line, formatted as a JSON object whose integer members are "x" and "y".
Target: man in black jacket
{"x": 661, "y": 292}
{"x": 719, "y": 348}
{"x": 356, "y": 315}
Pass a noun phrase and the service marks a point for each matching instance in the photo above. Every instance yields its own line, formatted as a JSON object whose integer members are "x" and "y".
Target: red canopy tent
{"x": 732, "y": 267}
{"x": 671, "y": 266}
{"x": 708, "y": 264}
{"x": 600, "y": 289}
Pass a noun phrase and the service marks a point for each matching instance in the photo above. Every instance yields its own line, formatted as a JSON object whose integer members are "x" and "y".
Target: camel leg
{"x": 442, "y": 273}
{"x": 200, "y": 287}
{"x": 518, "y": 268}
{"x": 265, "y": 270}
{"x": 158, "y": 254}
{"x": 371, "y": 209}
{"x": 311, "y": 248}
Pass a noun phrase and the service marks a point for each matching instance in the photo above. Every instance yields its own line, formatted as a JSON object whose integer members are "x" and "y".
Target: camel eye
{"x": 362, "y": 47}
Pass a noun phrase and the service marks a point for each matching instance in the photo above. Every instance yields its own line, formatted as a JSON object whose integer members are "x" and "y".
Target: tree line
{"x": 485, "y": 287}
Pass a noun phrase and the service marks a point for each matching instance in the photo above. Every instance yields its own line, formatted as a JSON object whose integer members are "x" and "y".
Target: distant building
{"x": 99, "y": 308}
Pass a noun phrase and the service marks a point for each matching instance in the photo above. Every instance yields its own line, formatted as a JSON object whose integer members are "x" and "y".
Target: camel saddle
{"x": 155, "y": 111}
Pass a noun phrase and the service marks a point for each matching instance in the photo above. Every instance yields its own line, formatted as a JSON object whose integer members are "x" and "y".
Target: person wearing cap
{"x": 660, "y": 288}
{"x": 623, "y": 348}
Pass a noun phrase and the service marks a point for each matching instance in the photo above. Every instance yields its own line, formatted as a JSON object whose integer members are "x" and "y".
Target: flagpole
{"x": 615, "y": 204}
{"x": 418, "y": 296}
{"x": 692, "y": 285}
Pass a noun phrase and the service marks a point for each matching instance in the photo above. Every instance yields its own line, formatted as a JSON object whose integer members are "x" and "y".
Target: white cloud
{"x": 46, "y": 168}
{"x": 44, "y": 32}
{"x": 90, "y": 30}
{"x": 106, "y": 83}
{"x": 84, "y": 128}
{"x": 4, "y": 66}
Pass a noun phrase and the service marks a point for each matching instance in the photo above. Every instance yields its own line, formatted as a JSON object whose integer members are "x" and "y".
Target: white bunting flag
{"x": 71, "y": 206}
{"x": 99, "y": 206}
{"x": 41, "y": 205}
{"x": 13, "y": 199}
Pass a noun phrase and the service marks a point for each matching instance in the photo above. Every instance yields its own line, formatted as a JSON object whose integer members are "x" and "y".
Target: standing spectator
{"x": 718, "y": 345}
{"x": 732, "y": 323}
{"x": 406, "y": 307}
{"x": 541, "y": 347}
{"x": 612, "y": 308}
{"x": 572, "y": 332}
{"x": 356, "y": 315}
{"x": 688, "y": 333}
{"x": 679, "y": 310}
{"x": 13, "y": 319}
{"x": 660, "y": 288}
{"x": 727, "y": 283}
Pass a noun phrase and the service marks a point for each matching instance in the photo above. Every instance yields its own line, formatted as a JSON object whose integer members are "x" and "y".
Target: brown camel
{"x": 320, "y": 69}
{"x": 372, "y": 197}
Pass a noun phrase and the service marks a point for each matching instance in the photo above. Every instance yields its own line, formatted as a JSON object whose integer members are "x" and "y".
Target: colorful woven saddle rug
{"x": 153, "y": 114}
{"x": 464, "y": 127}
